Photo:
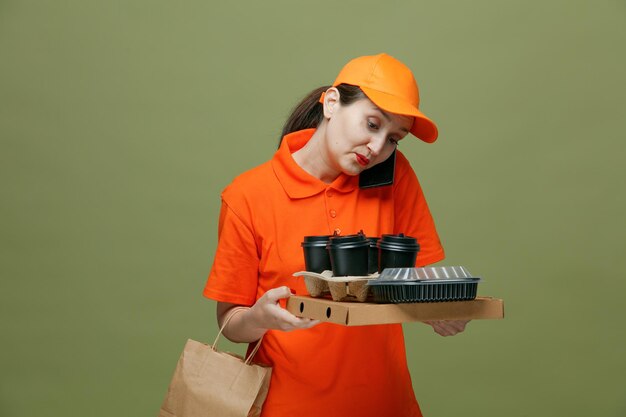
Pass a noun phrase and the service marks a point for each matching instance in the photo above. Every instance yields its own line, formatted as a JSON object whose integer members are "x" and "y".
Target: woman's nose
{"x": 376, "y": 145}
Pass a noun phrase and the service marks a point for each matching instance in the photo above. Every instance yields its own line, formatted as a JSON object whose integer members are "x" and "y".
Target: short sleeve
{"x": 234, "y": 274}
{"x": 412, "y": 216}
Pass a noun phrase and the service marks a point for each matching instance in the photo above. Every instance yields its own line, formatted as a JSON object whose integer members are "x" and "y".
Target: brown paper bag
{"x": 207, "y": 383}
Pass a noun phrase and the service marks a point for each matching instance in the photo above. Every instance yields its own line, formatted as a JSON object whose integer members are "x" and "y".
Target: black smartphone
{"x": 379, "y": 175}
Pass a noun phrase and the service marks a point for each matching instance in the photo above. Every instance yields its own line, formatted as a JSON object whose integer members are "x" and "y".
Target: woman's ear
{"x": 331, "y": 102}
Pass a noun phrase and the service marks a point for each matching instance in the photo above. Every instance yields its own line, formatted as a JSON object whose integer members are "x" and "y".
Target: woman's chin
{"x": 353, "y": 171}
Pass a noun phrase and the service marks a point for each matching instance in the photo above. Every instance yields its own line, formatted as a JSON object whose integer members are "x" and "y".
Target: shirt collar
{"x": 298, "y": 183}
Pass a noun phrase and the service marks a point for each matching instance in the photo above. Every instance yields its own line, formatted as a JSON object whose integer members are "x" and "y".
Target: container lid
{"x": 348, "y": 241}
{"x": 310, "y": 241}
{"x": 399, "y": 242}
{"x": 431, "y": 274}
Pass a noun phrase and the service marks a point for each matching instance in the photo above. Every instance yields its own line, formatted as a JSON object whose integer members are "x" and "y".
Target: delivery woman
{"x": 311, "y": 187}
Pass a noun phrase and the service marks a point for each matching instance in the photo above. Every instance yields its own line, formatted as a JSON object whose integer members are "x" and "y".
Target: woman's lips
{"x": 362, "y": 160}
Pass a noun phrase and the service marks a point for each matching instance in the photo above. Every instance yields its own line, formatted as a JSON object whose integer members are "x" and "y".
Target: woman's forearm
{"x": 241, "y": 327}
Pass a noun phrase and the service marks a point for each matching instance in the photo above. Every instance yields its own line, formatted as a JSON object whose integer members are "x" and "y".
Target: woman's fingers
{"x": 459, "y": 325}
{"x": 270, "y": 315}
{"x": 276, "y": 294}
{"x": 288, "y": 321}
{"x": 442, "y": 329}
{"x": 448, "y": 327}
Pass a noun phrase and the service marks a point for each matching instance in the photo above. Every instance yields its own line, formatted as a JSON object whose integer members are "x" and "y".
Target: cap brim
{"x": 423, "y": 128}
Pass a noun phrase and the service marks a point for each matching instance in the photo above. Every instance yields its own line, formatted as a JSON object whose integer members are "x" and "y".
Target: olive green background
{"x": 121, "y": 122}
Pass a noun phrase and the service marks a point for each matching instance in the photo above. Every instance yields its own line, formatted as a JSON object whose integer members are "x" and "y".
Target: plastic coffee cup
{"x": 349, "y": 255}
{"x": 397, "y": 251}
{"x": 316, "y": 258}
{"x": 373, "y": 255}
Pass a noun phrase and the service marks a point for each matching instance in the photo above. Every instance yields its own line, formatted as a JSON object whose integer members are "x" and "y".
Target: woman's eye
{"x": 372, "y": 125}
{"x": 393, "y": 141}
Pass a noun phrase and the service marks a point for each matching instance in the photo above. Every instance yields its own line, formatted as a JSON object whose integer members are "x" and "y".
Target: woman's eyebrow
{"x": 405, "y": 130}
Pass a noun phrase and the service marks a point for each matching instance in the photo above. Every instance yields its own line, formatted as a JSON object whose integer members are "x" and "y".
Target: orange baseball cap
{"x": 390, "y": 85}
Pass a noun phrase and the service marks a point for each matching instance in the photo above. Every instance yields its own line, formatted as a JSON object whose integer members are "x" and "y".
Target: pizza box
{"x": 365, "y": 313}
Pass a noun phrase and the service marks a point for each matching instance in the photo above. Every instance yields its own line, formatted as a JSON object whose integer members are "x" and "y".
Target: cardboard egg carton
{"x": 348, "y": 288}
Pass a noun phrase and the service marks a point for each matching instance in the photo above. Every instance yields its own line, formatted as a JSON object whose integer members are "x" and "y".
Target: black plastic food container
{"x": 349, "y": 255}
{"x": 373, "y": 255}
{"x": 316, "y": 257}
{"x": 397, "y": 251}
{"x": 419, "y": 285}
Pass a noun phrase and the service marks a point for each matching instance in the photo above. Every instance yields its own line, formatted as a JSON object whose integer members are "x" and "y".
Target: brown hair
{"x": 309, "y": 113}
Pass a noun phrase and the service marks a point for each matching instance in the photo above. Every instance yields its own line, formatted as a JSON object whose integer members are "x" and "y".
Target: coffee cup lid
{"x": 348, "y": 241}
{"x": 399, "y": 238}
{"x": 398, "y": 242}
{"x": 310, "y": 241}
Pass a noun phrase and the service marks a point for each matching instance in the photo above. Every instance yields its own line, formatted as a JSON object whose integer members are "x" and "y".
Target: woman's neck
{"x": 314, "y": 159}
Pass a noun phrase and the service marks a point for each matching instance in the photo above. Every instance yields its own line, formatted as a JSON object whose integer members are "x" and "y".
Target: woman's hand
{"x": 249, "y": 324}
{"x": 447, "y": 327}
{"x": 267, "y": 314}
